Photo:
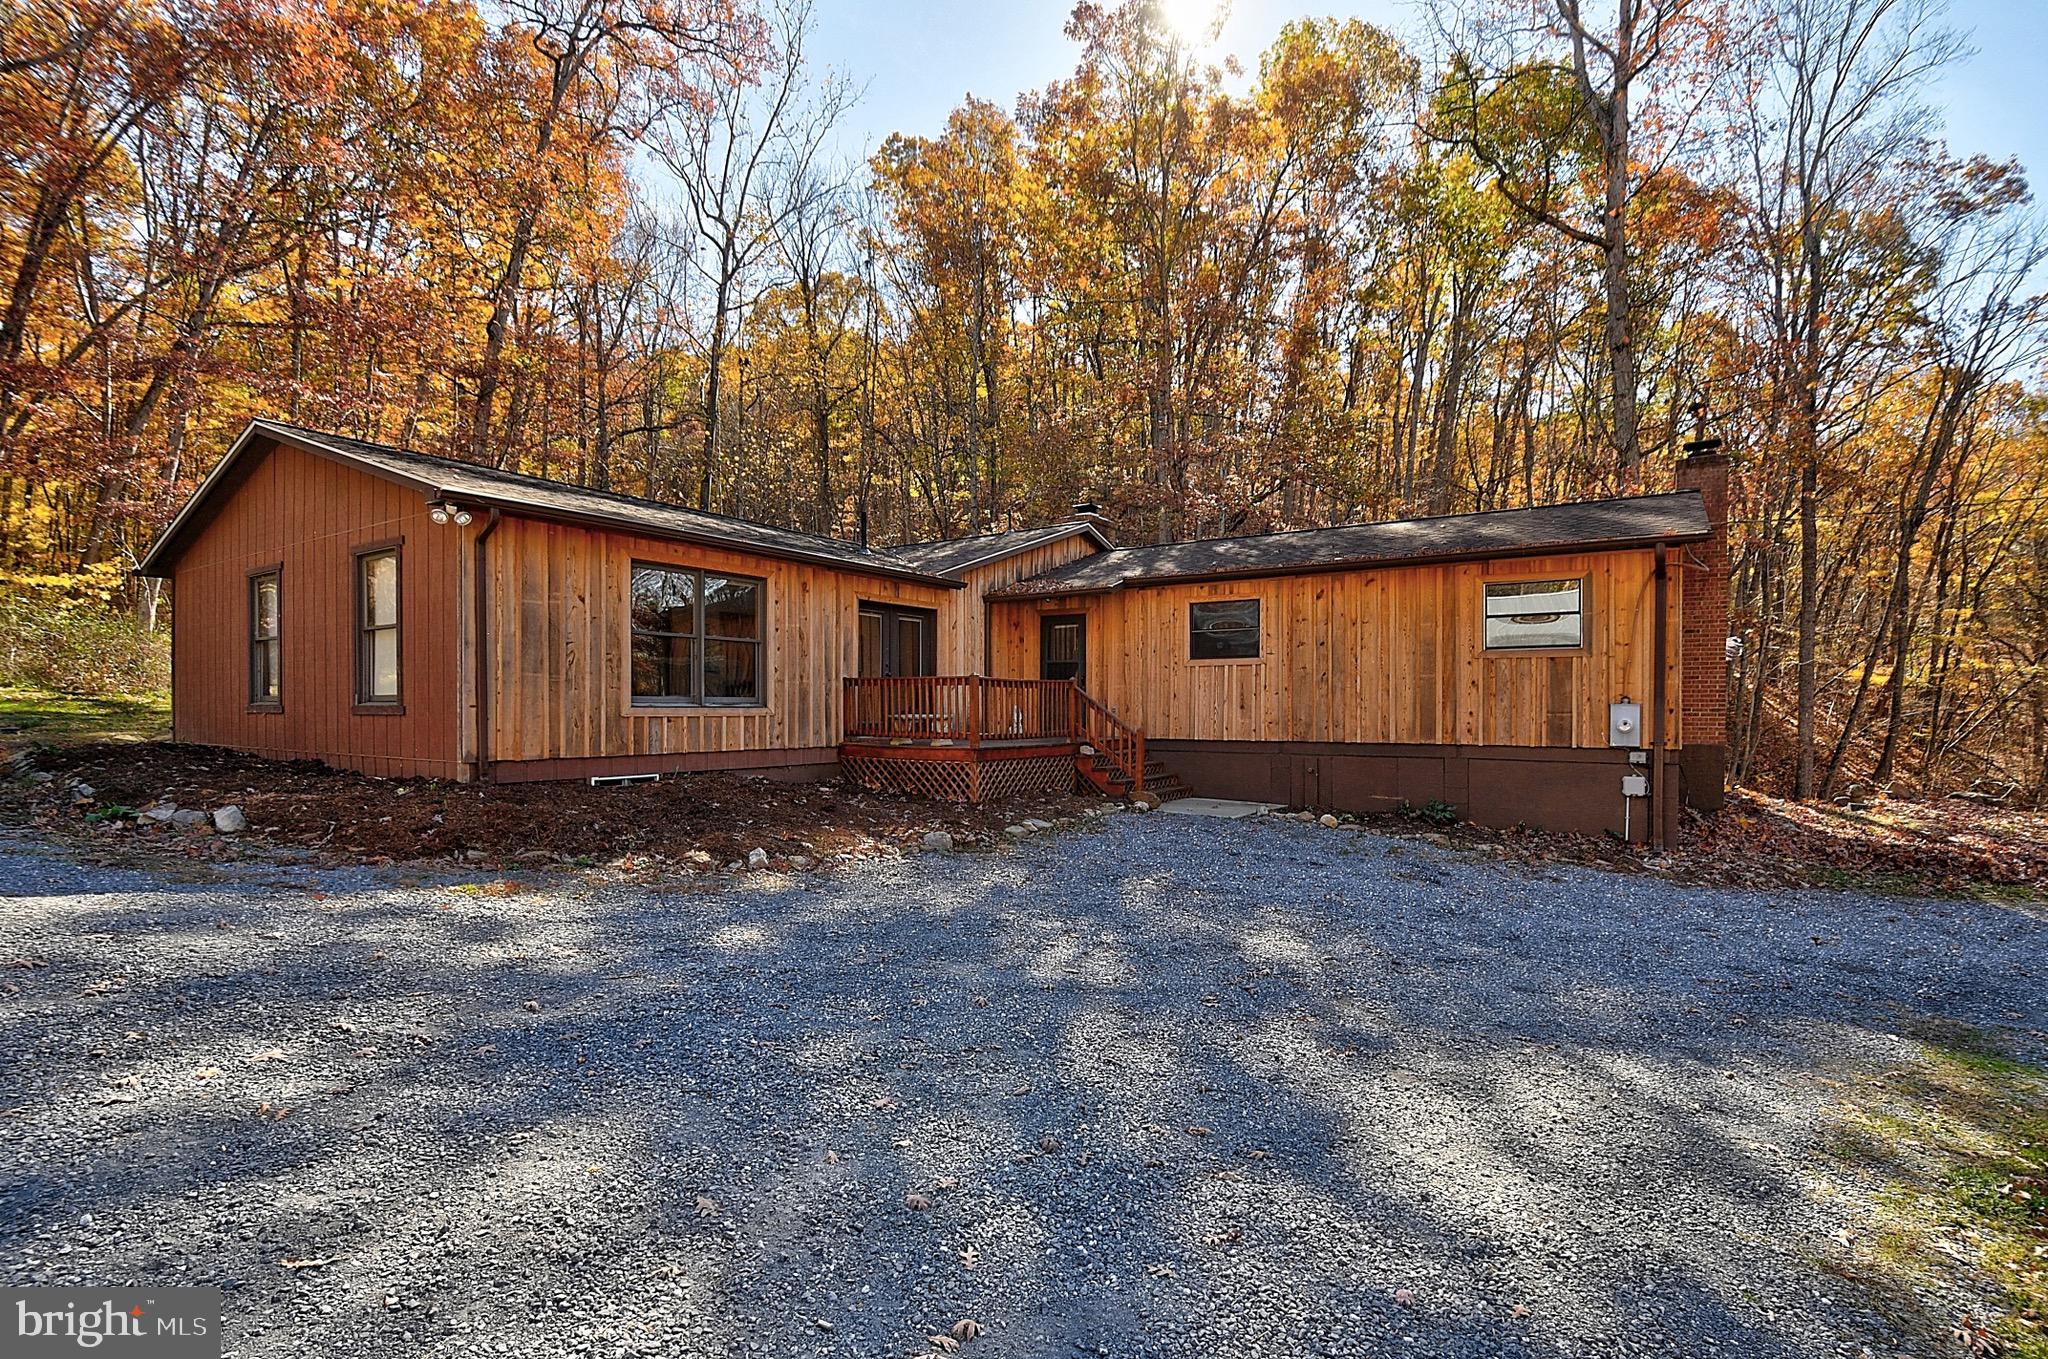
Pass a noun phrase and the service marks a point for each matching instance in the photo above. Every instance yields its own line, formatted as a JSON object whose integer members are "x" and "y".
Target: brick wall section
{"x": 1703, "y": 699}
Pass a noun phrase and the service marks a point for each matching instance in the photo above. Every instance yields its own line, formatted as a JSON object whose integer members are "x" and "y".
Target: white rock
{"x": 1017, "y": 832}
{"x": 163, "y": 811}
{"x": 1328, "y": 821}
{"x": 938, "y": 839}
{"x": 229, "y": 820}
{"x": 698, "y": 856}
{"x": 757, "y": 858}
{"x": 1038, "y": 823}
{"x": 188, "y": 816}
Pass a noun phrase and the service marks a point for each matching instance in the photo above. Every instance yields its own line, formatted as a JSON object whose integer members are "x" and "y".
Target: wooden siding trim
{"x": 307, "y": 513}
{"x": 1371, "y": 655}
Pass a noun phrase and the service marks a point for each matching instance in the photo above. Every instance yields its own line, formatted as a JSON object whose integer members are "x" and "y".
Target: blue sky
{"x": 918, "y": 58}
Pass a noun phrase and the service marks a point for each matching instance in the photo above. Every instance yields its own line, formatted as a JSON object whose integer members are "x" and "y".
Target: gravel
{"x": 1160, "y": 1086}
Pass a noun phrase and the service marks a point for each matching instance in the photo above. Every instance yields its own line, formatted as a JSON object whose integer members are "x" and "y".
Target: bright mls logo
{"x": 160, "y": 1323}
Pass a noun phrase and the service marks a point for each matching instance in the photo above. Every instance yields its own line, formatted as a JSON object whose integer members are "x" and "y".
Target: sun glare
{"x": 1193, "y": 20}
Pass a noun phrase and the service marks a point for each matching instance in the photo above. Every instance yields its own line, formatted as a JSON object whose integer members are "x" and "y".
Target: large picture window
{"x": 1224, "y": 630}
{"x": 266, "y": 639}
{"x": 377, "y": 642}
{"x": 696, "y": 636}
{"x": 1534, "y": 615}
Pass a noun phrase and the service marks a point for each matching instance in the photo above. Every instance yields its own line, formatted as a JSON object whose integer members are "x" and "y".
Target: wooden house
{"x": 408, "y": 615}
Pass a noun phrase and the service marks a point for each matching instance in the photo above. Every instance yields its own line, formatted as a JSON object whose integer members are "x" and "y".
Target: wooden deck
{"x": 970, "y": 738}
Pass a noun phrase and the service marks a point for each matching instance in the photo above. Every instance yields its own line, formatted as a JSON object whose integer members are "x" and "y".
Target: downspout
{"x": 1659, "y": 688}
{"x": 480, "y": 652}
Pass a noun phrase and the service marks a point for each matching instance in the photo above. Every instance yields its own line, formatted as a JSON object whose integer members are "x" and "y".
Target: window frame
{"x": 1581, "y": 647}
{"x": 1258, "y": 631}
{"x": 700, "y": 638}
{"x": 367, "y": 703}
{"x": 256, "y": 575}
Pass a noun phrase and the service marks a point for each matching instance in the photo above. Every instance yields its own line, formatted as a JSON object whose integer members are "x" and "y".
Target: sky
{"x": 918, "y": 58}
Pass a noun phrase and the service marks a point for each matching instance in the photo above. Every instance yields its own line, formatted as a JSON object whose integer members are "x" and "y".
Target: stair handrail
{"x": 1123, "y": 745}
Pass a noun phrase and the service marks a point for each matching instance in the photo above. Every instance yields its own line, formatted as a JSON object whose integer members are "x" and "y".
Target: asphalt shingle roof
{"x": 948, "y": 555}
{"x": 1676, "y": 517}
{"x": 464, "y": 480}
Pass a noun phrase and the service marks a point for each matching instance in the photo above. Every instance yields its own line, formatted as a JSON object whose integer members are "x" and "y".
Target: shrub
{"x": 66, "y": 634}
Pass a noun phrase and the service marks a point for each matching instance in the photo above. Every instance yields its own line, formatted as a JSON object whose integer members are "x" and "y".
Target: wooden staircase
{"x": 1110, "y": 755}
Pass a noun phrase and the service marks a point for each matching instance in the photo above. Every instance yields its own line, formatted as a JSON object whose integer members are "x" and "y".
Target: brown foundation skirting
{"x": 1703, "y": 776}
{"x": 803, "y": 764}
{"x": 1548, "y": 788}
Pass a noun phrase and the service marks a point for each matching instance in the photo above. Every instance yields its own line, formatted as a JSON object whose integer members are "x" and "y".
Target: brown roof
{"x": 473, "y": 484}
{"x": 951, "y": 556}
{"x": 1592, "y": 525}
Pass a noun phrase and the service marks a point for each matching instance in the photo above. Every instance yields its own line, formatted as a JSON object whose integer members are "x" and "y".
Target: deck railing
{"x": 968, "y": 709}
{"x": 972, "y": 710}
{"x": 1114, "y": 741}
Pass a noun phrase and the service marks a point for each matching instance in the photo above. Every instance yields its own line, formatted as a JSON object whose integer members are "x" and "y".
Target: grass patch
{"x": 1960, "y": 1140}
{"x": 37, "y": 717}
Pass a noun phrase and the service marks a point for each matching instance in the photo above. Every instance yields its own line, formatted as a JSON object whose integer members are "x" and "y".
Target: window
{"x": 696, "y": 636}
{"x": 266, "y": 648}
{"x": 1531, "y": 615}
{"x": 1227, "y": 630}
{"x": 898, "y": 641}
{"x": 377, "y": 658}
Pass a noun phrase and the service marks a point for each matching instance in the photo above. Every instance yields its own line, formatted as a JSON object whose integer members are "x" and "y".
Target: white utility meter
{"x": 1625, "y": 723}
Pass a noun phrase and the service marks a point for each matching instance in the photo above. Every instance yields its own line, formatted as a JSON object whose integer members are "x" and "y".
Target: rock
{"x": 474, "y": 856}
{"x": 938, "y": 840}
{"x": 698, "y": 856}
{"x": 229, "y": 820}
{"x": 1328, "y": 821}
{"x": 160, "y": 813}
{"x": 187, "y": 817}
{"x": 1140, "y": 803}
{"x": 1038, "y": 823}
{"x": 757, "y": 858}
{"x": 42, "y": 776}
{"x": 1017, "y": 832}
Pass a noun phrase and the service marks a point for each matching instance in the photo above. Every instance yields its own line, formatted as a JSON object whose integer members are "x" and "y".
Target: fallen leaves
{"x": 916, "y": 1202}
{"x": 707, "y": 1206}
{"x": 316, "y": 1262}
{"x": 969, "y": 1257}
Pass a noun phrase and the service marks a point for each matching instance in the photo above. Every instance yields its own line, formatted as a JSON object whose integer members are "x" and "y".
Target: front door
{"x": 1063, "y": 647}
{"x": 896, "y": 641}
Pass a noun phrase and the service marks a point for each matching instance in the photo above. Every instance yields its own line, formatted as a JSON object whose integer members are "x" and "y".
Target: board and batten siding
{"x": 965, "y": 644}
{"x": 309, "y": 515}
{"x": 1389, "y": 655}
{"x": 559, "y": 648}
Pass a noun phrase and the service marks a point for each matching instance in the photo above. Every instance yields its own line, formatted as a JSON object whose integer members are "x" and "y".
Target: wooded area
{"x": 1494, "y": 262}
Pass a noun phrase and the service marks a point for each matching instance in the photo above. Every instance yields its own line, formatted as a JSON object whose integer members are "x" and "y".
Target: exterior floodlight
{"x": 438, "y": 513}
{"x": 462, "y": 518}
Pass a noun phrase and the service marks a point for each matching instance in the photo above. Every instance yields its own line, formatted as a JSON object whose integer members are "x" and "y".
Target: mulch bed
{"x": 707, "y": 821}
{"x": 1933, "y": 846}
{"x": 353, "y": 817}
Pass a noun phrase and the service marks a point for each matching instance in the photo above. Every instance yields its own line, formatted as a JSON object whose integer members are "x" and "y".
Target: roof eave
{"x": 523, "y": 510}
{"x": 1048, "y": 539}
{"x": 1359, "y": 564}
{"x": 153, "y": 564}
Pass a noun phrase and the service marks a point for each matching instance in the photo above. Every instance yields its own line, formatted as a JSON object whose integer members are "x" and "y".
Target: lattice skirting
{"x": 960, "y": 780}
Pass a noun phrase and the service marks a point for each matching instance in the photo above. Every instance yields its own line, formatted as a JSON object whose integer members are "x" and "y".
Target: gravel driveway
{"x": 1163, "y": 1086}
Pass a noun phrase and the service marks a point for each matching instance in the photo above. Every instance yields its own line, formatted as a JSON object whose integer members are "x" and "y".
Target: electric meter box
{"x": 1624, "y": 724}
{"x": 1635, "y": 785}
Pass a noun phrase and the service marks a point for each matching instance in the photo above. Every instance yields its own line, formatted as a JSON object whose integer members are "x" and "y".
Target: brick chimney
{"x": 1703, "y": 633}
{"x": 1089, "y": 513}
